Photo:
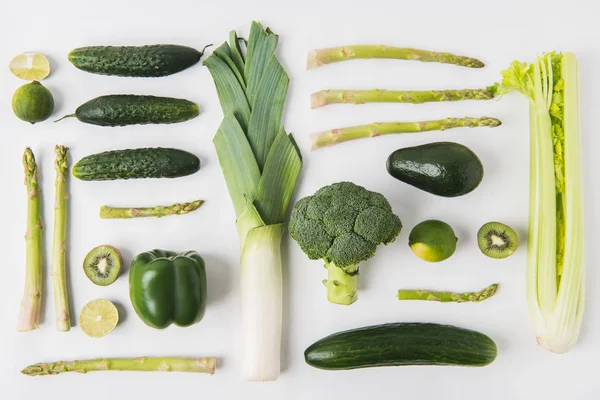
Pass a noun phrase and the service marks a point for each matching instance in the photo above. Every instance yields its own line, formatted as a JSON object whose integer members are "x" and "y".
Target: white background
{"x": 496, "y": 32}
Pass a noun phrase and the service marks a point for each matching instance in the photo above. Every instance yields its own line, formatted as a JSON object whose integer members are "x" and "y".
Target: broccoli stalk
{"x": 343, "y": 224}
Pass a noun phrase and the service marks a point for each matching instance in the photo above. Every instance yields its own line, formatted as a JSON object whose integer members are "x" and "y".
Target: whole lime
{"x": 432, "y": 240}
{"x": 33, "y": 103}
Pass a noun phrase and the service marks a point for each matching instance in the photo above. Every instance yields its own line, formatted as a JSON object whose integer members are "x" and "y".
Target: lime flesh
{"x": 98, "y": 318}
{"x": 30, "y": 66}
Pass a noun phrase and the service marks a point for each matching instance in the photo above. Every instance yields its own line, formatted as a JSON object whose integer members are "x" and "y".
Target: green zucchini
{"x": 137, "y": 61}
{"x": 130, "y": 109}
{"x": 136, "y": 164}
{"x": 401, "y": 344}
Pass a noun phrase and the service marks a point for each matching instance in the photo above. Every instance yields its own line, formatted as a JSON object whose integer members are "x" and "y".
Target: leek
{"x": 555, "y": 270}
{"x": 261, "y": 164}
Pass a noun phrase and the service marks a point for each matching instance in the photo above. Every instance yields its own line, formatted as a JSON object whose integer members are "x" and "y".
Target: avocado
{"x": 443, "y": 168}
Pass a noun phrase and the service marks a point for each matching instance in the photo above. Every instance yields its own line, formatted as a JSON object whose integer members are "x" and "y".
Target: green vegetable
{"x": 130, "y": 109}
{"x": 317, "y": 58}
{"x": 401, "y": 344}
{"x": 168, "y": 288}
{"x": 59, "y": 241}
{"x": 447, "y": 297}
{"x": 432, "y": 240}
{"x": 136, "y": 164}
{"x": 261, "y": 164}
{"x": 145, "y": 364}
{"x": 325, "y": 97}
{"x": 343, "y": 224}
{"x": 158, "y": 211}
{"x": 333, "y": 136}
{"x": 144, "y": 61}
{"x": 443, "y": 168}
{"x": 29, "y": 315}
{"x": 33, "y": 103}
{"x": 555, "y": 267}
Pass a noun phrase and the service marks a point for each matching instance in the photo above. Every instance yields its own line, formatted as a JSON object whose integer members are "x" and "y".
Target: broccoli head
{"x": 343, "y": 224}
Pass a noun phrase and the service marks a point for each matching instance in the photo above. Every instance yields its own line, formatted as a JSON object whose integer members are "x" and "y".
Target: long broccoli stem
{"x": 158, "y": 211}
{"x": 341, "y": 284}
{"x": 59, "y": 242}
{"x": 165, "y": 364}
{"x": 325, "y": 97}
{"x": 317, "y": 58}
{"x": 333, "y": 136}
{"x": 446, "y": 297}
{"x": 29, "y": 316}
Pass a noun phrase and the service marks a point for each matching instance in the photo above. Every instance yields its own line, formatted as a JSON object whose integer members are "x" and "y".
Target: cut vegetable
{"x": 158, "y": 211}
{"x": 30, "y": 66}
{"x": 205, "y": 365}
{"x": 98, "y": 318}
{"x": 497, "y": 240}
{"x": 447, "y": 297}
{"x": 317, "y": 58}
{"x": 29, "y": 315}
{"x": 555, "y": 267}
{"x": 339, "y": 135}
{"x": 261, "y": 164}
{"x": 102, "y": 265}
{"x": 59, "y": 241}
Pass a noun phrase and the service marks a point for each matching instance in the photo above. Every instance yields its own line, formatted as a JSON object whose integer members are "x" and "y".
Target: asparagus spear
{"x": 29, "y": 316}
{"x": 145, "y": 364}
{"x": 317, "y": 58}
{"x": 333, "y": 136}
{"x": 158, "y": 211}
{"x": 445, "y": 297}
{"x": 325, "y": 97}
{"x": 59, "y": 242}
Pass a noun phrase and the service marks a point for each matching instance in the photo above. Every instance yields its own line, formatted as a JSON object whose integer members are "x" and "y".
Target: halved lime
{"x": 30, "y": 66}
{"x": 98, "y": 318}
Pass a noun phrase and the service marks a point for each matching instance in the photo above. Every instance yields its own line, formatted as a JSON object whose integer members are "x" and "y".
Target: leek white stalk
{"x": 261, "y": 164}
{"x": 555, "y": 270}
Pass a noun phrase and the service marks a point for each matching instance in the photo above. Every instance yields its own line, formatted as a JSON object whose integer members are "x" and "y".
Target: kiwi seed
{"x": 102, "y": 265}
{"x": 497, "y": 240}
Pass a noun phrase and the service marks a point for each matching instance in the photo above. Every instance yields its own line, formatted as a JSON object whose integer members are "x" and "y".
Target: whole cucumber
{"x": 136, "y": 61}
{"x": 401, "y": 344}
{"x": 130, "y": 109}
{"x": 136, "y": 164}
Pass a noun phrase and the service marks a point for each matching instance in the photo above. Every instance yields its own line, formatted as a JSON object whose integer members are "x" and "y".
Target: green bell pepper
{"x": 168, "y": 288}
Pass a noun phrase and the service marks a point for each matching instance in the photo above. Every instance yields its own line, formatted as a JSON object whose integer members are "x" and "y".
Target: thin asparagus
{"x": 333, "y": 136}
{"x": 205, "y": 365}
{"x": 325, "y": 97}
{"x": 59, "y": 242}
{"x": 317, "y": 58}
{"x": 29, "y": 316}
{"x": 158, "y": 211}
{"x": 445, "y": 297}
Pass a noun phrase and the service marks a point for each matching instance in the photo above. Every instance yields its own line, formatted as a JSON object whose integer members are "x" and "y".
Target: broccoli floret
{"x": 343, "y": 224}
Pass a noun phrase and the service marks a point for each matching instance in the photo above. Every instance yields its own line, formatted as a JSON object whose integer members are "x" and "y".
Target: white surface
{"x": 496, "y": 32}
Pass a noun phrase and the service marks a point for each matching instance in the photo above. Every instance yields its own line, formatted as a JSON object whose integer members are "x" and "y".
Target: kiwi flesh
{"x": 102, "y": 265}
{"x": 497, "y": 240}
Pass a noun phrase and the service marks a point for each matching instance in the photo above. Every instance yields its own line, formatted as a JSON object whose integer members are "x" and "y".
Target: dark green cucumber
{"x": 401, "y": 344}
{"x": 130, "y": 109}
{"x": 136, "y": 164}
{"x": 139, "y": 61}
{"x": 443, "y": 168}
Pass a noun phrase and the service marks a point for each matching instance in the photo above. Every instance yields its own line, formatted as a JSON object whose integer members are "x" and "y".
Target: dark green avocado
{"x": 443, "y": 168}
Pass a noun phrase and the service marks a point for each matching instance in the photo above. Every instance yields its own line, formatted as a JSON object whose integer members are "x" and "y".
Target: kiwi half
{"x": 497, "y": 240}
{"x": 102, "y": 265}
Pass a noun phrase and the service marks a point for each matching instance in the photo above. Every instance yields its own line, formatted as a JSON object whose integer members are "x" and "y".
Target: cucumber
{"x": 136, "y": 164}
{"x": 444, "y": 168}
{"x": 130, "y": 109}
{"x": 401, "y": 344}
{"x": 137, "y": 61}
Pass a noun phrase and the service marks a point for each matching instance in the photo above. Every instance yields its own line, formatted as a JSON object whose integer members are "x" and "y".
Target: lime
{"x": 33, "y": 103}
{"x": 98, "y": 318}
{"x": 432, "y": 240}
{"x": 30, "y": 66}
